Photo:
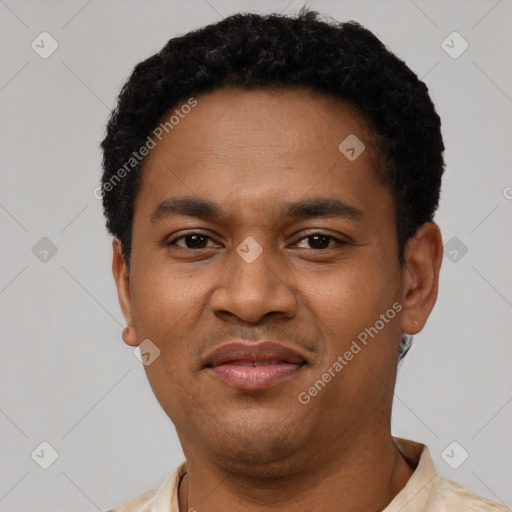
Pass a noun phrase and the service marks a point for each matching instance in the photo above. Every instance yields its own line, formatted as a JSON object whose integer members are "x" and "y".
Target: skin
{"x": 251, "y": 152}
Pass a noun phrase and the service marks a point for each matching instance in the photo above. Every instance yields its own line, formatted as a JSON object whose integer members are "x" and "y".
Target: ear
{"x": 122, "y": 279}
{"x": 423, "y": 257}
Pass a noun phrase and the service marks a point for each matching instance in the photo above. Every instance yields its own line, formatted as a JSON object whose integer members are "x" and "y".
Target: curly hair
{"x": 343, "y": 60}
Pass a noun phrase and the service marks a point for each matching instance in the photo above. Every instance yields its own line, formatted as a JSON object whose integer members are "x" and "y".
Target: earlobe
{"x": 423, "y": 256}
{"x": 122, "y": 280}
{"x": 130, "y": 336}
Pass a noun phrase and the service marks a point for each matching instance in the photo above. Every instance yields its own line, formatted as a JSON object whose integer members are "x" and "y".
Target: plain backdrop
{"x": 68, "y": 380}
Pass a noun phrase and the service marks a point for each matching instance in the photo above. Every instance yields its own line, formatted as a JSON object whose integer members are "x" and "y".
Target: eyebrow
{"x": 208, "y": 210}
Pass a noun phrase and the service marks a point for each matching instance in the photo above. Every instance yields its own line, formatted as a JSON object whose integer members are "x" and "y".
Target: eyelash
{"x": 310, "y": 235}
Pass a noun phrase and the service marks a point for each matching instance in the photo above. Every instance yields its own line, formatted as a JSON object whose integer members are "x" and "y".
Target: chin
{"x": 263, "y": 451}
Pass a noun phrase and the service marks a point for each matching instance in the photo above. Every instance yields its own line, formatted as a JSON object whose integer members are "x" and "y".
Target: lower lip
{"x": 255, "y": 377}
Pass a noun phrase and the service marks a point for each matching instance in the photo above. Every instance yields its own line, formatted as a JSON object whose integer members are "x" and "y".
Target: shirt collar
{"x": 415, "y": 494}
{"x": 166, "y": 497}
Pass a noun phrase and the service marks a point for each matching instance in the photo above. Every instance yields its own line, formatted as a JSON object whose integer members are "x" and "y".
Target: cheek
{"x": 166, "y": 304}
{"x": 351, "y": 290}
{"x": 161, "y": 284}
{"x": 347, "y": 301}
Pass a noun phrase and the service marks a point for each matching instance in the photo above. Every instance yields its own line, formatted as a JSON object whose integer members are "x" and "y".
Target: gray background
{"x": 68, "y": 379}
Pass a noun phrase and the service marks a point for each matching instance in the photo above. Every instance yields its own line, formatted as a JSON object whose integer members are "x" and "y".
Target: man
{"x": 270, "y": 183}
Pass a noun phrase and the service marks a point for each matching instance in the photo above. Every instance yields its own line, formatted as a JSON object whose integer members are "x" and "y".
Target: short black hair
{"x": 344, "y": 60}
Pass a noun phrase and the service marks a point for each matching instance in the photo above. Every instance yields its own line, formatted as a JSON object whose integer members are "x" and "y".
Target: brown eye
{"x": 191, "y": 241}
{"x": 319, "y": 241}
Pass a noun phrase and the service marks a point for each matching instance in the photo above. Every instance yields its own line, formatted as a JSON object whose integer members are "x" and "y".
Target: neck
{"x": 366, "y": 476}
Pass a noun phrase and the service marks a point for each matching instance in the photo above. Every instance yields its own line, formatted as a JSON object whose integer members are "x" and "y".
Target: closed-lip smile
{"x": 251, "y": 365}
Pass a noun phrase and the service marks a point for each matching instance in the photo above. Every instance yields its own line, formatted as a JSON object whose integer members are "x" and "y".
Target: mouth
{"x": 250, "y": 367}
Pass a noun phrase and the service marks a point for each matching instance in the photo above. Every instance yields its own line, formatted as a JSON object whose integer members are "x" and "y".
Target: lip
{"x": 254, "y": 366}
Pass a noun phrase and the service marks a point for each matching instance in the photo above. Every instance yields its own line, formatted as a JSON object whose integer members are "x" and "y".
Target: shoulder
{"x": 452, "y": 496}
{"x": 163, "y": 498}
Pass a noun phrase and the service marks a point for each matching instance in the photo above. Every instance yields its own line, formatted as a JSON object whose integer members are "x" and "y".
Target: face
{"x": 296, "y": 245}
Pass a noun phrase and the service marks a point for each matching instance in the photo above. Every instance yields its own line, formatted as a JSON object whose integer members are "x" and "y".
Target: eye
{"x": 196, "y": 240}
{"x": 191, "y": 241}
{"x": 319, "y": 241}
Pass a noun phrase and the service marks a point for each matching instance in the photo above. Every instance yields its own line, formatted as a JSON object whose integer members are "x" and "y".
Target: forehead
{"x": 239, "y": 147}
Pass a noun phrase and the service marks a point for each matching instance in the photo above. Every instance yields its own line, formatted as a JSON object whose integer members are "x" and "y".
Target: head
{"x": 310, "y": 146}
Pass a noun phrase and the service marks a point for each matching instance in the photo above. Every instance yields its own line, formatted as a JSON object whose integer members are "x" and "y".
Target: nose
{"x": 251, "y": 290}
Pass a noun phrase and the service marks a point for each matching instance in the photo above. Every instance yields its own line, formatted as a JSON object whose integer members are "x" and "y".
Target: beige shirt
{"x": 426, "y": 490}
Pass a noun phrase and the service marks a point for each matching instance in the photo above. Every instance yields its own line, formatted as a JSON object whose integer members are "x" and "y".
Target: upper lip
{"x": 250, "y": 351}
